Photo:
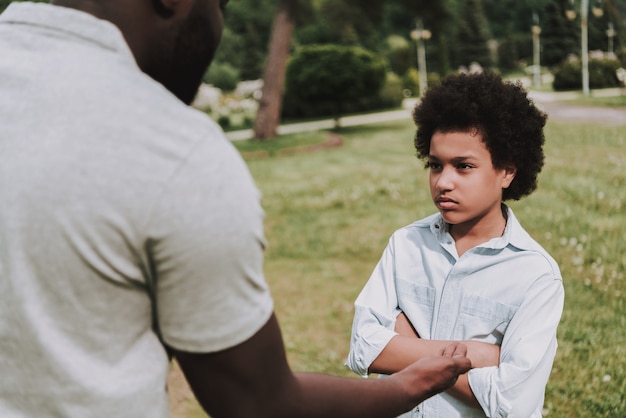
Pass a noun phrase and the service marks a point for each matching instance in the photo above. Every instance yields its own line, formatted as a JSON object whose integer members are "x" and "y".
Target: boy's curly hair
{"x": 510, "y": 124}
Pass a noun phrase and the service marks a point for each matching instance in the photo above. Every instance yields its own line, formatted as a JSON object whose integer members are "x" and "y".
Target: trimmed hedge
{"x": 331, "y": 80}
{"x": 602, "y": 74}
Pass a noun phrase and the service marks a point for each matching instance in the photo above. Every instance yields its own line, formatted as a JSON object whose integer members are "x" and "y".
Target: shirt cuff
{"x": 368, "y": 349}
{"x": 482, "y": 381}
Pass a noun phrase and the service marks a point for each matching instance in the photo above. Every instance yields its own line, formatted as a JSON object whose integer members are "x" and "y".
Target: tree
{"x": 270, "y": 105}
{"x": 345, "y": 22}
{"x": 473, "y": 36}
{"x": 333, "y": 79}
{"x": 400, "y": 19}
{"x": 246, "y": 36}
{"x": 252, "y": 62}
{"x": 598, "y": 26}
{"x": 559, "y": 36}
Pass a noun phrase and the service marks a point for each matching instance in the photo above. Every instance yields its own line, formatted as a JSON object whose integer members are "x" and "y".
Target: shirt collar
{"x": 514, "y": 234}
{"x": 74, "y": 22}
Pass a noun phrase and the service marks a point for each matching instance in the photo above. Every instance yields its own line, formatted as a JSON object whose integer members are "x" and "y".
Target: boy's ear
{"x": 509, "y": 174}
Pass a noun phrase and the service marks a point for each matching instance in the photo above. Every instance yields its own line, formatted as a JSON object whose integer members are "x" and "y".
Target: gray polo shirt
{"x": 123, "y": 214}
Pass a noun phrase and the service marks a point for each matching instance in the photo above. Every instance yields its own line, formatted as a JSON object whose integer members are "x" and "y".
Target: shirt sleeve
{"x": 376, "y": 309}
{"x": 207, "y": 252}
{"x": 516, "y": 387}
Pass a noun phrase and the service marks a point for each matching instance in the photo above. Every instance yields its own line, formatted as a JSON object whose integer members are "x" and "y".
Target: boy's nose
{"x": 445, "y": 180}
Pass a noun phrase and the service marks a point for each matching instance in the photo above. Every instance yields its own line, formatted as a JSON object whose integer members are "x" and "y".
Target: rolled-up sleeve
{"x": 376, "y": 309}
{"x": 516, "y": 387}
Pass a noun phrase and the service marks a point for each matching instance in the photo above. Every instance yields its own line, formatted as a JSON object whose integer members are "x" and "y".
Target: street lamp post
{"x": 536, "y": 30}
{"x": 610, "y": 33}
{"x": 584, "y": 42}
{"x": 419, "y": 35}
{"x": 584, "y": 39}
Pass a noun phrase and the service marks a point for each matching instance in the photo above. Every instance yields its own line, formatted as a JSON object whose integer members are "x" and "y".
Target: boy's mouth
{"x": 444, "y": 202}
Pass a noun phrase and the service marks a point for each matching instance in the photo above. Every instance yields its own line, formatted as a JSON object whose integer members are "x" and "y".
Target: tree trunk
{"x": 270, "y": 106}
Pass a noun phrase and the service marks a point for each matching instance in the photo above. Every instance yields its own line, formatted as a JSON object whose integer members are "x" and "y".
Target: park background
{"x": 333, "y": 197}
{"x": 288, "y": 60}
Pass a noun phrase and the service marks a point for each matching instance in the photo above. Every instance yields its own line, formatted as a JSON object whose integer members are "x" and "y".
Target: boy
{"x": 470, "y": 272}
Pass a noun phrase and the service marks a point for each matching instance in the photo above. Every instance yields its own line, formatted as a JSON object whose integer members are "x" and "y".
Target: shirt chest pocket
{"x": 483, "y": 319}
{"x": 417, "y": 302}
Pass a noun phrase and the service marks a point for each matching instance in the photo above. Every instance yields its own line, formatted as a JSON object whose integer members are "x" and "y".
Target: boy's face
{"x": 464, "y": 185}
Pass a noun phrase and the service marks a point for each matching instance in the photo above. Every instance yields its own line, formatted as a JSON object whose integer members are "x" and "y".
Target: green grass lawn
{"x": 330, "y": 213}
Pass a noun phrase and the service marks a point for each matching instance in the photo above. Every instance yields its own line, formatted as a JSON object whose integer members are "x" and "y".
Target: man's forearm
{"x": 253, "y": 379}
{"x": 328, "y": 396}
{"x": 381, "y": 397}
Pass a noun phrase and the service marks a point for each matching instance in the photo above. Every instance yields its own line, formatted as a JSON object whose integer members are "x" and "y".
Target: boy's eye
{"x": 432, "y": 165}
{"x": 464, "y": 166}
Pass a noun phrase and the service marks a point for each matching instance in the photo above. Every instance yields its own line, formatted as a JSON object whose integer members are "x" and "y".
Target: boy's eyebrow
{"x": 458, "y": 159}
{"x": 463, "y": 158}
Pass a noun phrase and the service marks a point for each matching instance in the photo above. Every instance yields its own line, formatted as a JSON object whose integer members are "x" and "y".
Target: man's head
{"x": 509, "y": 124}
{"x": 173, "y": 41}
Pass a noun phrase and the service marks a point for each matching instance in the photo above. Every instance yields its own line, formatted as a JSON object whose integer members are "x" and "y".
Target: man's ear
{"x": 170, "y": 8}
{"x": 509, "y": 174}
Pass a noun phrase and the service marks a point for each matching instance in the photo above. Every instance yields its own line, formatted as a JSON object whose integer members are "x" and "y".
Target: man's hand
{"x": 431, "y": 375}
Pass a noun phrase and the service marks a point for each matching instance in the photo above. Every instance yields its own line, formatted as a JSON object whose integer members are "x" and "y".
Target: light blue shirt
{"x": 507, "y": 291}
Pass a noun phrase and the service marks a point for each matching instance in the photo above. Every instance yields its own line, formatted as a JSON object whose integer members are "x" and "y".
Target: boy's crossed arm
{"x": 407, "y": 347}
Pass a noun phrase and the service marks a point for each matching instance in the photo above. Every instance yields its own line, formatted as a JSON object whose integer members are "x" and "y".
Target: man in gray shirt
{"x": 131, "y": 230}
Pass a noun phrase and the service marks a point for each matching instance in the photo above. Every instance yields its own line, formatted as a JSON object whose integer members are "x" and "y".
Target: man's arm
{"x": 408, "y": 347}
{"x": 254, "y": 379}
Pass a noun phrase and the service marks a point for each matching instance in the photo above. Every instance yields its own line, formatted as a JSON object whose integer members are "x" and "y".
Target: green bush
{"x": 567, "y": 76}
{"x": 621, "y": 56}
{"x": 411, "y": 81}
{"x": 398, "y": 54}
{"x": 391, "y": 93}
{"x": 331, "y": 80}
{"x": 433, "y": 79}
{"x": 222, "y": 75}
{"x": 602, "y": 74}
{"x": 514, "y": 49}
{"x": 224, "y": 121}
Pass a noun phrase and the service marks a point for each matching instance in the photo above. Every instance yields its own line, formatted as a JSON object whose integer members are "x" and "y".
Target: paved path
{"x": 554, "y": 104}
{"x": 557, "y": 107}
{"x": 346, "y": 121}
